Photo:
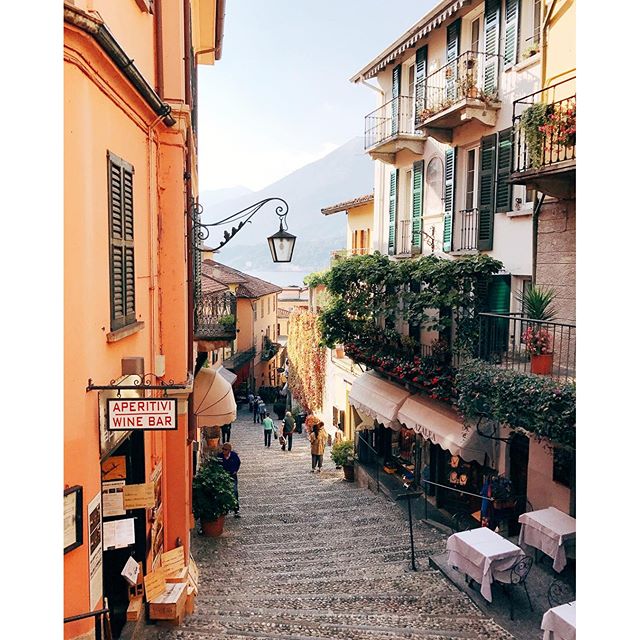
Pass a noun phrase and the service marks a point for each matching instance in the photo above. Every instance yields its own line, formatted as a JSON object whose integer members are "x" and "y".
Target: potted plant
{"x": 502, "y": 492}
{"x": 212, "y": 436}
{"x": 468, "y": 86}
{"x": 343, "y": 455}
{"x": 227, "y": 322}
{"x": 213, "y": 496}
{"x": 538, "y": 304}
{"x": 532, "y": 122}
{"x": 530, "y": 51}
{"x": 339, "y": 351}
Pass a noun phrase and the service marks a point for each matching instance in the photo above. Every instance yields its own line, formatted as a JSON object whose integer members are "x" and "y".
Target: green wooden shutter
{"x": 499, "y": 301}
{"x": 491, "y": 45}
{"x": 486, "y": 187}
{"x": 393, "y": 202}
{"x": 453, "y": 51}
{"x": 416, "y": 206}
{"x": 503, "y": 187}
{"x": 449, "y": 196}
{"x": 512, "y": 19}
{"x": 395, "y": 96}
{"x": 121, "y": 254}
{"x": 421, "y": 74}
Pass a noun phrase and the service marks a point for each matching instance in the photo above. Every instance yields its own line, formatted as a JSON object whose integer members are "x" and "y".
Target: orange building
{"x": 130, "y": 145}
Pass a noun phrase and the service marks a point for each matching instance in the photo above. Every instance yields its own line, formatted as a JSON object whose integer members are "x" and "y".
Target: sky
{"x": 280, "y": 96}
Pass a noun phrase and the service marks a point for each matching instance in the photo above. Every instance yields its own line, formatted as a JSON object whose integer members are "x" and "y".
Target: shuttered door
{"x": 499, "y": 302}
{"x": 453, "y": 51}
{"x": 491, "y": 45}
{"x": 512, "y": 19}
{"x": 421, "y": 74}
{"x": 449, "y": 196}
{"x": 503, "y": 187}
{"x": 122, "y": 261}
{"x": 393, "y": 203}
{"x": 395, "y": 95}
{"x": 416, "y": 206}
{"x": 486, "y": 185}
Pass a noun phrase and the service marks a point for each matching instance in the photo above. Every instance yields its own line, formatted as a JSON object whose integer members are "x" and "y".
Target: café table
{"x": 483, "y": 555}
{"x": 559, "y": 623}
{"x": 548, "y": 530}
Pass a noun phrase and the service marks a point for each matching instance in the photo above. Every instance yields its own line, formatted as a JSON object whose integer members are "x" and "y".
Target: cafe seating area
{"x": 527, "y": 581}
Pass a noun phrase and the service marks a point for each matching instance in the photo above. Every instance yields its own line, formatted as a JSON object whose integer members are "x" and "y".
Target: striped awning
{"x": 377, "y": 398}
{"x": 423, "y": 27}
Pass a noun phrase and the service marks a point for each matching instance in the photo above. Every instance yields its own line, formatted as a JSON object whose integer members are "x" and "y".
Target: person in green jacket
{"x": 268, "y": 427}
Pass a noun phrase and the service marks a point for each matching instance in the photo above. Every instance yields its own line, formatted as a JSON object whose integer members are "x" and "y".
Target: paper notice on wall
{"x": 118, "y": 534}
{"x": 139, "y": 496}
{"x": 173, "y": 561}
{"x": 95, "y": 551}
{"x": 113, "y": 498}
{"x": 131, "y": 571}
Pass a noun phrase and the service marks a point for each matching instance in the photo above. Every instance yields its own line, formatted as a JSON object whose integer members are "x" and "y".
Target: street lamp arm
{"x": 201, "y": 231}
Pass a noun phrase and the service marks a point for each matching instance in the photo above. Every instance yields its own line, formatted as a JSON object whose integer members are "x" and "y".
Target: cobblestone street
{"x": 313, "y": 556}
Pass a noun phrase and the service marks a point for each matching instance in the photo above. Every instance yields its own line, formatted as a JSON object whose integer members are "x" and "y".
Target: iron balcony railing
{"x": 269, "y": 349}
{"x": 393, "y": 118}
{"x": 544, "y": 128}
{"x": 238, "y": 359}
{"x": 472, "y": 75}
{"x": 466, "y": 236}
{"x": 215, "y": 316}
{"x": 513, "y": 341}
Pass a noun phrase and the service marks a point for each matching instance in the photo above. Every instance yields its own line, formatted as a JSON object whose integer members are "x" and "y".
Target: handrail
{"x": 524, "y": 317}
{"x": 386, "y": 104}
{"x": 100, "y": 616}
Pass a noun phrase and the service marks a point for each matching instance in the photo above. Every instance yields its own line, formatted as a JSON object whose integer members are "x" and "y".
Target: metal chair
{"x": 559, "y": 593}
{"x": 518, "y": 576}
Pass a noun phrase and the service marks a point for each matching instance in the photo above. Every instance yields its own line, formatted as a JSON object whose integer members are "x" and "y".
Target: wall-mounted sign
{"x": 118, "y": 534}
{"x": 111, "y": 440}
{"x": 139, "y": 496}
{"x": 95, "y": 551}
{"x": 72, "y": 518}
{"x": 114, "y": 468}
{"x": 127, "y": 414}
{"x": 113, "y": 498}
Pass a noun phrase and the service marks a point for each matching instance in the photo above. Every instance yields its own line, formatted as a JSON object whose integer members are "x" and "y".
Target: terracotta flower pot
{"x": 212, "y": 443}
{"x": 213, "y": 529}
{"x": 542, "y": 364}
{"x": 339, "y": 352}
{"x": 348, "y": 473}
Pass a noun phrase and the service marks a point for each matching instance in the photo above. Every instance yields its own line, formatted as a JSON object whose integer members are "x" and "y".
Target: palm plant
{"x": 538, "y": 303}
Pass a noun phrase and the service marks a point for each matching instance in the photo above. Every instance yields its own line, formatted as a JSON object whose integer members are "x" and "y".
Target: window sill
{"x": 525, "y": 64}
{"x": 123, "y": 332}
{"x": 518, "y": 214}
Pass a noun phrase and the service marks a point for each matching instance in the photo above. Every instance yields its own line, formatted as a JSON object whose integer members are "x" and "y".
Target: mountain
{"x": 343, "y": 174}
{"x": 211, "y": 199}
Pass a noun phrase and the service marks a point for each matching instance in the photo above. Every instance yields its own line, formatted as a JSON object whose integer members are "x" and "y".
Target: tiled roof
{"x": 283, "y": 313}
{"x": 248, "y": 286}
{"x": 349, "y": 204}
{"x": 209, "y": 285}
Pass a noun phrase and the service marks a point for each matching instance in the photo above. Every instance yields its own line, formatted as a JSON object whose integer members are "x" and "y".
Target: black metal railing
{"x": 466, "y": 236}
{"x": 215, "y": 316}
{"x": 269, "y": 349}
{"x": 513, "y": 341}
{"x": 238, "y": 359}
{"x": 393, "y": 118}
{"x": 544, "y": 127}
{"x": 102, "y": 624}
{"x": 472, "y": 75}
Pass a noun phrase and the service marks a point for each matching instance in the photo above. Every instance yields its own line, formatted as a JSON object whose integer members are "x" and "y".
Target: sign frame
{"x": 174, "y": 401}
{"x": 73, "y": 498}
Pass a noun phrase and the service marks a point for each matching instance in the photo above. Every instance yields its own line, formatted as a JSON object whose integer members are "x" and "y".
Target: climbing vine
{"x": 306, "y": 360}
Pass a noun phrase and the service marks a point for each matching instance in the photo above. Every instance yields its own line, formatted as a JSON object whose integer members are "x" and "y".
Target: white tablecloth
{"x": 483, "y": 555}
{"x": 559, "y": 623}
{"x": 548, "y": 530}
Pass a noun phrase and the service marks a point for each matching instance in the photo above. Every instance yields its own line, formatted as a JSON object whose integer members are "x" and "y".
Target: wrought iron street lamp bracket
{"x": 144, "y": 383}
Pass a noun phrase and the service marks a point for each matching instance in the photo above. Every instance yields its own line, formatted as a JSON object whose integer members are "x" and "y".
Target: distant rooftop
{"x": 248, "y": 286}
{"x": 349, "y": 204}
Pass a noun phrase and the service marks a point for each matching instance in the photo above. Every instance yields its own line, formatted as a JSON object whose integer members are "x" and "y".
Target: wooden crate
{"x": 179, "y": 576}
{"x": 134, "y": 610}
{"x": 191, "y": 600}
{"x": 170, "y": 605}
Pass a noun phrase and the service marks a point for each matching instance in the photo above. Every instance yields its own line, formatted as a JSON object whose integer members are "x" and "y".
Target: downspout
{"x": 534, "y": 231}
{"x": 159, "y": 48}
{"x": 543, "y": 47}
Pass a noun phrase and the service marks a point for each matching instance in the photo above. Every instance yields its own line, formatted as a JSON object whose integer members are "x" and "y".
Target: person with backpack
{"x": 256, "y": 408}
{"x": 288, "y": 426}
{"x": 268, "y": 427}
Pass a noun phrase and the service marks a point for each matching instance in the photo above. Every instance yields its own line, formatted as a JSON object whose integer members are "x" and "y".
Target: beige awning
{"x": 213, "y": 401}
{"x": 442, "y": 425}
{"x": 377, "y": 398}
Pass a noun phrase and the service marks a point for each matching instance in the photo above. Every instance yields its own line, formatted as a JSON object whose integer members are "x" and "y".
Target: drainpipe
{"x": 543, "y": 46}
{"x": 534, "y": 248}
{"x": 159, "y": 48}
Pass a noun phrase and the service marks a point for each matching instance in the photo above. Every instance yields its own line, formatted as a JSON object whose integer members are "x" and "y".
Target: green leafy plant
{"x": 538, "y": 303}
{"x": 501, "y": 488}
{"x": 227, "y": 322}
{"x": 213, "y": 494}
{"x": 343, "y": 453}
{"x": 532, "y": 122}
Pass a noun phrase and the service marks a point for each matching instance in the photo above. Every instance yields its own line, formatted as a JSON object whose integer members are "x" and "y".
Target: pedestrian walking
{"x": 268, "y": 427}
{"x": 288, "y": 425}
{"x": 318, "y": 438}
{"x": 231, "y": 463}
{"x": 251, "y": 400}
{"x": 262, "y": 409}
{"x": 256, "y": 406}
{"x": 226, "y": 433}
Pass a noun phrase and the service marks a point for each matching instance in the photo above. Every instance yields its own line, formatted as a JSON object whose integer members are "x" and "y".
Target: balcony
{"x": 544, "y": 144}
{"x": 465, "y": 237}
{"x": 340, "y": 254}
{"x": 465, "y": 89}
{"x": 236, "y": 361}
{"x": 215, "y": 316}
{"x": 269, "y": 349}
{"x": 390, "y": 129}
{"x": 512, "y": 342}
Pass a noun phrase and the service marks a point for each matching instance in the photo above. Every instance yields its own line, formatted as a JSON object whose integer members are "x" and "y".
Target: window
{"x": 470, "y": 187}
{"x": 475, "y": 34}
{"x": 530, "y": 22}
{"x": 262, "y": 308}
{"x": 435, "y": 186}
{"x": 268, "y": 306}
{"x": 121, "y": 246}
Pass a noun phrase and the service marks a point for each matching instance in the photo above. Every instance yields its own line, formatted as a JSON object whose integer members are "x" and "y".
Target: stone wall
{"x": 556, "y": 260}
